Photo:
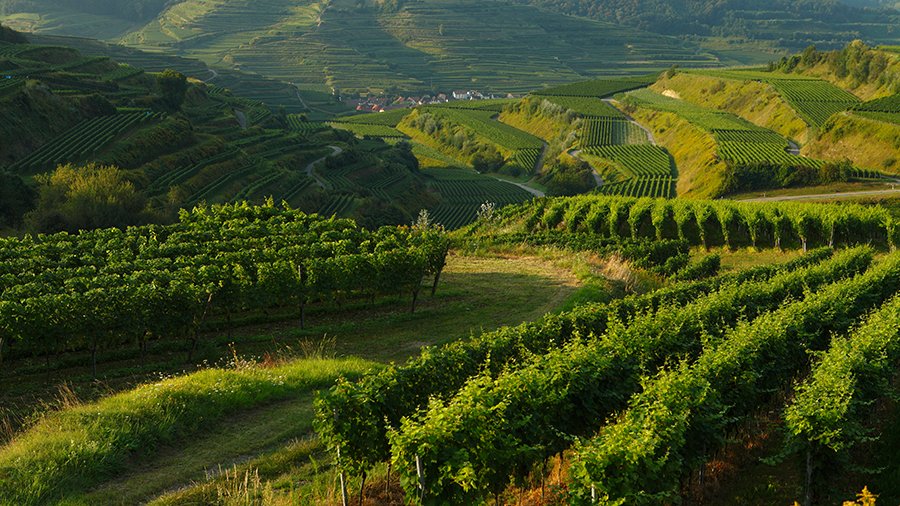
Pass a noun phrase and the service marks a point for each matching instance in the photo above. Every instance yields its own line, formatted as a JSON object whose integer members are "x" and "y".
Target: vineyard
{"x": 883, "y": 109}
{"x": 738, "y": 140}
{"x": 297, "y": 124}
{"x": 483, "y": 124}
{"x": 368, "y": 130}
{"x": 464, "y": 191}
{"x": 814, "y": 99}
{"x": 599, "y": 88}
{"x": 685, "y": 366}
{"x": 639, "y": 160}
{"x": 588, "y": 107}
{"x": 221, "y": 259}
{"x": 387, "y": 118}
{"x": 611, "y": 131}
{"x": 82, "y": 140}
{"x": 654, "y": 187}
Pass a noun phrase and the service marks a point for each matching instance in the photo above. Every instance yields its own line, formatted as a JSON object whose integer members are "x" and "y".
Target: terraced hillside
{"x": 207, "y": 146}
{"x": 352, "y": 46}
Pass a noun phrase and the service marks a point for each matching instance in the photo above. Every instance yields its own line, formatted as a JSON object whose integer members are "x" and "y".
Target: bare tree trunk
{"x": 437, "y": 278}
{"x": 1, "y": 350}
{"x": 94, "y": 359}
{"x": 807, "y": 499}
{"x": 362, "y": 488}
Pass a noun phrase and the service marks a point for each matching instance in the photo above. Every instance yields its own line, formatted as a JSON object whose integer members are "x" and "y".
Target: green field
{"x": 464, "y": 191}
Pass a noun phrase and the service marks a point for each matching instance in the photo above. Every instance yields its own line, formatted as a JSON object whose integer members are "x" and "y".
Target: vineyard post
{"x": 342, "y": 477}
{"x": 362, "y": 487}
{"x": 593, "y": 494}
{"x": 421, "y": 478}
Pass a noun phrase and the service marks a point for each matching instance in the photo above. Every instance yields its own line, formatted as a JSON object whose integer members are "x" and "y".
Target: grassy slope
{"x": 544, "y": 128}
{"x": 700, "y": 172}
{"x": 478, "y": 292}
{"x": 865, "y": 92}
{"x": 868, "y": 143}
{"x": 756, "y": 102}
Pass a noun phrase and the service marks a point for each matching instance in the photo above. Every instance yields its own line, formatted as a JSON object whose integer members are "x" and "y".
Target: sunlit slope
{"x": 421, "y": 45}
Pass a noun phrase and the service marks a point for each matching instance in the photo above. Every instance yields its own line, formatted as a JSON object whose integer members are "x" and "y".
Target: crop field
{"x": 882, "y": 109}
{"x": 368, "y": 130}
{"x": 814, "y": 99}
{"x": 641, "y": 187}
{"x": 588, "y": 107}
{"x": 611, "y": 131}
{"x": 528, "y": 158}
{"x": 750, "y": 152}
{"x": 640, "y": 160}
{"x": 181, "y": 174}
{"x": 84, "y": 139}
{"x": 494, "y": 104}
{"x": 598, "y": 88}
{"x": 297, "y": 124}
{"x": 482, "y": 123}
{"x": 464, "y": 191}
{"x": 738, "y": 140}
{"x": 389, "y": 118}
{"x": 355, "y": 47}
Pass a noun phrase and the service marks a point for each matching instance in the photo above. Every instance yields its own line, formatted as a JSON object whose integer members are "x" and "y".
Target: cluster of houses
{"x": 381, "y": 103}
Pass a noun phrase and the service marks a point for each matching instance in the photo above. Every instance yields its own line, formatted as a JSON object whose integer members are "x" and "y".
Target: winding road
{"x": 309, "y": 168}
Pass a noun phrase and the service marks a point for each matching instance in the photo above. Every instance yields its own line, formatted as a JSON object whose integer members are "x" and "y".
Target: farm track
{"x": 576, "y": 154}
{"x": 642, "y": 127}
{"x": 309, "y": 168}
{"x": 823, "y": 196}
{"x": 533, "y": 191}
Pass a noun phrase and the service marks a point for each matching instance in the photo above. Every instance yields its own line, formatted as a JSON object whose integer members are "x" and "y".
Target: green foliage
{"x": 568, "y": 177}
{"x": 75, "y": 198}
{"x": 760, "y": 224}
{"x": 832, "y": 408}
{"x": 172, "y": 87}
{"x": 599, "y": 88}
{"x": 356, "y": 416}
{"x": 496, "y": 428}
{"x": 71, "y": 450}
{"x": 682, "y": 415}
{"x": 163, "y": 281}
{"x": 16, "y": 198}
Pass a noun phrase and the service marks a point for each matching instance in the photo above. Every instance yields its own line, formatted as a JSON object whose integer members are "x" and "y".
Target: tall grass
{"x": 75, "y": 448}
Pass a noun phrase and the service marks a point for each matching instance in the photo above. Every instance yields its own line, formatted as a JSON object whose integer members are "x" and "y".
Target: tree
{"x": 94, "y": 196}
{"x": 172, "y": 88}
{"x": 16, "y": 198}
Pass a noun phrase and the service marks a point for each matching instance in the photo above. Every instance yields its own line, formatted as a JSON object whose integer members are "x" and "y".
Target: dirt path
{"x": 793, "y": 148}
{"x": 213, "y": 76}
{"x": 576, "y": 154}
{"x": 822, "y": 196}
{"x": 642, "y": 127}
{"x": 533, "y": 191}
{"x": 309, "y": 168}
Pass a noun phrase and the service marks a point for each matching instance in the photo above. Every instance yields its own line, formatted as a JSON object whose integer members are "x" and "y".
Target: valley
{"x": 435, "y": 252}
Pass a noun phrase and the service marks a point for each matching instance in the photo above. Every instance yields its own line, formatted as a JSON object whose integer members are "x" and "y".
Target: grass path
{"x": 477, "y": 293}
{"x": 226, "y": 443}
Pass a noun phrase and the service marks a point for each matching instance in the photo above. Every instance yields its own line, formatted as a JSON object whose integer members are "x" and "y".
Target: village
{"x": 381, "y": 103}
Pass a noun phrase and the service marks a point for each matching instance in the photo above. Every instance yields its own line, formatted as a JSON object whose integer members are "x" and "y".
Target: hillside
{"x": 354, "y": 47}
{"x": 739, "y": 294}
{"x": 194, "y": 143}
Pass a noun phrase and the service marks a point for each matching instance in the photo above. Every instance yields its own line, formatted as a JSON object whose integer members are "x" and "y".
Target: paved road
{"x": 865, "y": 193}
{"x": 309, "y": 168}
